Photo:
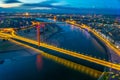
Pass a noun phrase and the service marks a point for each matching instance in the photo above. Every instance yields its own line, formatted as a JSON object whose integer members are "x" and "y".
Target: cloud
{"x": 11, "y": 5}
{"x": 11, "y": 1}
{"x": 42, "y": 3}
{"x": 61, "y": 3}
{"x": 32, "y": 1}
{"x": 41, "y": 8}
{"x": 48, "y": 3}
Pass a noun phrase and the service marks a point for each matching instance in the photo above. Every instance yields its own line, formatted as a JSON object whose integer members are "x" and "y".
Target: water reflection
{"x": 87, "y": 35}
{"x": 49, "y": 70}
{"x": 83, "y": 69}
{"x": 39, "y": 62}
{"x": 75, "y": 39}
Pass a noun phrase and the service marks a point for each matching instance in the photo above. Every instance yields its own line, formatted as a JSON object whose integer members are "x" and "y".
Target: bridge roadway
{"x": 73, "y": 65}
{"x": 67, "y": 52}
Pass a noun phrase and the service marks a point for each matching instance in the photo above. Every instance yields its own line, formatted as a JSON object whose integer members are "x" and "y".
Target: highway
{"x": 66, "y": 52}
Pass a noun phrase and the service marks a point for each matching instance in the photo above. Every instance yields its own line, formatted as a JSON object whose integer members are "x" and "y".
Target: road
{"x": 67, "y": 52}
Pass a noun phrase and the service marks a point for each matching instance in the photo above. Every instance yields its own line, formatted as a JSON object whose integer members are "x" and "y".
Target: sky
{"x": 59, "y": 4}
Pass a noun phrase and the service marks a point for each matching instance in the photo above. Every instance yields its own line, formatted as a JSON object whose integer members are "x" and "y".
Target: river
{"x": 37, "y": 67}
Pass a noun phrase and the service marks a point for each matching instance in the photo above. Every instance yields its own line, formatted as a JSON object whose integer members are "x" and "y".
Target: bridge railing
{"x": 75, "y": 66}
{"x": 70, "y": 53}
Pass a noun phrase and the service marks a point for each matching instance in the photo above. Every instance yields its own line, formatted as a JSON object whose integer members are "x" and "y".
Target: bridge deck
{"x": 74, "y": 54}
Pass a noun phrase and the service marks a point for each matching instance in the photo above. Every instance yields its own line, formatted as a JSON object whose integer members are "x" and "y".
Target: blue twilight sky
{"x": 62, "y": 6}
{"x": 50, "y": 4}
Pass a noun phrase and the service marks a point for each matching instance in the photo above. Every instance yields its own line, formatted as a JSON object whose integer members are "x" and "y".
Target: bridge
{"x": 75, "y": 66}
{"x": 63, "y": 51}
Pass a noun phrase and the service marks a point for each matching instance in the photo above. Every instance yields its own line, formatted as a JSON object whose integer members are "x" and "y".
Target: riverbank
{"x": 46, "y": 32}
{"x": 6, "y": 46}
{"x": 68, "y": 35}
{"x": 103, "y": 45}
{"x": 112, "y": 56}
{"x": 10, "y": 51}
{"x": 20, "y": 61}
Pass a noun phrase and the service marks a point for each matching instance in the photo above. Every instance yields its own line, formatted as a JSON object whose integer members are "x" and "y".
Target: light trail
{"x": 67, "y": 52}
{"x": 89, "y": 71}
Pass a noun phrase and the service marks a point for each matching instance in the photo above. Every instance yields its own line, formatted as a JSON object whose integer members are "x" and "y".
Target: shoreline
{"x": 98, "y": 40}
{"x": 59, "y": 29}
{"x": 85, "y": 64}
{"x": 103, "y": 45}
{"x": 44, "y": 35}
{"x": 109, "y": 53}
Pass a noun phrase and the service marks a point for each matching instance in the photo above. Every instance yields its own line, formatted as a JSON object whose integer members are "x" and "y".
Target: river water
{"x": 37, "y": 67}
